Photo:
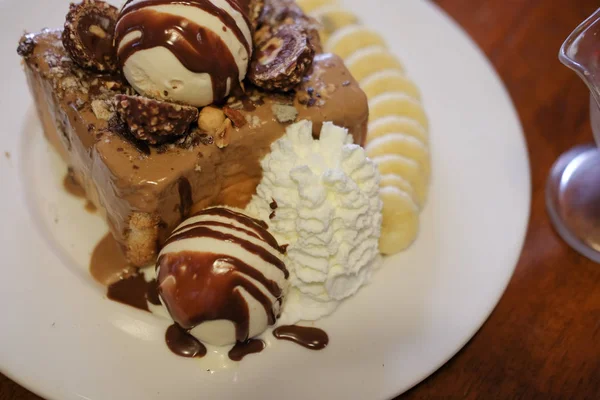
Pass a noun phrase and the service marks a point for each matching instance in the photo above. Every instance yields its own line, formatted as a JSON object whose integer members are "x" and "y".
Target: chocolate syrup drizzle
{"x": 197, "y": 48}
{"x": 257, "y": 228}
{"x": 242, "y": 349}
{"x": 311, "y": 338}
{"x": 134, "y": 291}
{"x": 185, "y": 197}
{"x": 206, "y": 285}
{"x": 183, "y": 344}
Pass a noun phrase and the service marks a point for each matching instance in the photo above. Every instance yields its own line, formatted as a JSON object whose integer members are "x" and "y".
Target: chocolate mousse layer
{"x": 145, "y": 192}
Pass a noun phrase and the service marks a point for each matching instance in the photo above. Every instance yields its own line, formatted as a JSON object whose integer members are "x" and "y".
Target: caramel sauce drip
{"x": 198, "y": 49}
{"x": 72, "y": 187}
{"x": 90, "y": 207}
{"x": 108, "y": 264}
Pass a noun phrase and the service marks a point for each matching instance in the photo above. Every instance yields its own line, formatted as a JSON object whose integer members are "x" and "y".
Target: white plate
{"x": 62, "y": 339}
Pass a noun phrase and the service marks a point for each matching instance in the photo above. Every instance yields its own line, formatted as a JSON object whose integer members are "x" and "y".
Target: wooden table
{"x": 543, "y": 339}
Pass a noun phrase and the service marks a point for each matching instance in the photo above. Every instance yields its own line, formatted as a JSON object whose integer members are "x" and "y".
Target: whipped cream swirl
{"x": 322, "y": 197}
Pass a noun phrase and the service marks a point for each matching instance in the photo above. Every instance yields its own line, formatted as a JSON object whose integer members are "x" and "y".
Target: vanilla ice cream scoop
{"x": 322, "y": 198}
{"x": 191, "y": 52}
{"x": 221, "y": 276}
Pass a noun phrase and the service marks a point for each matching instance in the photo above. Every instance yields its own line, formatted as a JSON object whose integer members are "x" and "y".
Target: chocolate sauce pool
{"x": 130, "y": 291}
{"x": 72, "y": 187}
{"x": 183, "y": 344}
{"x": 108, "y": 265}
{"x": 311, "y": 338}
{"x": 242, "y": 349}
{"x": 125, "y": 284}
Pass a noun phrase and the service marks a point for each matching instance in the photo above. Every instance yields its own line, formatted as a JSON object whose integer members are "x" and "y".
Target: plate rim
{"x": 38, "y": 390}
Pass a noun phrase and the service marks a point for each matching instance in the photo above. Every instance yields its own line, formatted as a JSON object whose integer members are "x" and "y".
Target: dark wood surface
{"x": 543, "y": 339}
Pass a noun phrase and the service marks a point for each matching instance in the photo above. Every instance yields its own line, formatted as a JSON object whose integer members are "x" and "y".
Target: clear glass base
{"x": 573, "y": 199}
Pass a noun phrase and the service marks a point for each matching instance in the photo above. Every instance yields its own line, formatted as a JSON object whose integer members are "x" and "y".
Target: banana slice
{"x": 394, "y": 103}
{"x": 399, "y": 182}
{"x": 400, "y": 225}
{"x": 332, "y": 18}
{"x": 308, "y": 5}
{"x": 403, "y": 145}
{"x": 369, "y": 60}
{"x": 389, "y": 80}
{"x": 351, "y": 38}
{"x": 393, "y": 124}
{"x": 407, "y": 169}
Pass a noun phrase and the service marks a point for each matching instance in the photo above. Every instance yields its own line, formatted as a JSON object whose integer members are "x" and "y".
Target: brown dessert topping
{"x": 315, "y": 94}
{"x": 154, "y": 121}
{"x": 281, "y": 59}
{"x": 88, "y": 35}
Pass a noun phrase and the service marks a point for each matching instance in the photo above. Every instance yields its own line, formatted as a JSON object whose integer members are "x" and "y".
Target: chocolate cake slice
{"x": 145, "y": 191}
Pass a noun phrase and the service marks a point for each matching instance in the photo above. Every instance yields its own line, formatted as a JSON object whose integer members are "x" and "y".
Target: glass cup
{"x": 573, "y": 187}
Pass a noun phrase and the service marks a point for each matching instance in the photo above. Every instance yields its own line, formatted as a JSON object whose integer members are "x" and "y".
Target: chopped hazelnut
{"x": 211, "y": 119}
{"x": 102, "y": 110}
{"x": 223, "y": 135}
{"x": 235, "y": 116}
